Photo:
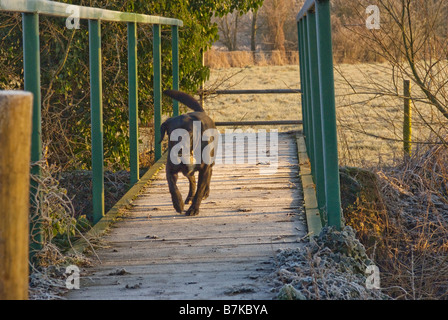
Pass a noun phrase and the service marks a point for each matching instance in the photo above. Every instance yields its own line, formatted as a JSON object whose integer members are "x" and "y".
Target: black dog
{"x": 186, "y": 122}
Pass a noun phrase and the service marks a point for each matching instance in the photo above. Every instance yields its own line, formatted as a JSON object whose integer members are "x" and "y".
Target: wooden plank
{"x": 309, "y": 192}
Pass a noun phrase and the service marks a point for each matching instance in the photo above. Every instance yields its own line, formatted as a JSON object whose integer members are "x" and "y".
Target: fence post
{"x": 15, "y": 143}
{"x": 407, "y": 122}
{"x": 96, "y": 105}
{"x": 157, "y": 56}
{"x": 175, "y": 53}
{"x": 31, "y": 70}
{"x": 328, "y": 113}
{"x": 133, "y": 102}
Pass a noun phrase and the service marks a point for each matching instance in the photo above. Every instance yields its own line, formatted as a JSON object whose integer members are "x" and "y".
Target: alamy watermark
{"x": 73, "y": 274}
{"x": 72, "y": 22}
{"x": 373, "y": 277}
{"x": 231, "y": 147}
{"x": 373, "y": 20}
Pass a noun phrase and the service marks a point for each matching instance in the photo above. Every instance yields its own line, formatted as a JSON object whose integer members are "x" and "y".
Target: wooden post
{"x": 15, "y": 156}
{"x": 407, "y": 122}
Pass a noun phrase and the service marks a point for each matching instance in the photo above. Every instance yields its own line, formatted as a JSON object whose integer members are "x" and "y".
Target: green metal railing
{"x": 31, "y": 10}
{"x": 318, "y": 106}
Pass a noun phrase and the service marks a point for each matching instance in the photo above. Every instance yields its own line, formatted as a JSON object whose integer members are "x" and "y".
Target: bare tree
{"x": 228, "y": 25}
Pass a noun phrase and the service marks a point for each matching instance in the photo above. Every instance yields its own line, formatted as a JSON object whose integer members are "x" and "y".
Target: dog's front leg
{"x": 192, "y": 181}
{"x": 176, "y": 197}
{"x": 200, "y": 192}
{"x": 207, "y": 185}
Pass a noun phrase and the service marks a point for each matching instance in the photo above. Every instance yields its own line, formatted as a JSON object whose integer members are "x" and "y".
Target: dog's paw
{"x": 192, "y": 212}
{"x": 179, "y": 207}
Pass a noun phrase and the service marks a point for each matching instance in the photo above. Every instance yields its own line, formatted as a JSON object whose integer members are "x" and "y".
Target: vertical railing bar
{"x": 31, "y": 67}
{"x": 311, "y": 90}
{"x": 328, "y": 113}
{"x": 301, "y": 59}
{"x": 157, "y": 56}
{"x": 96, "y": 102}
{"x": 175, "y": 53}
{"x": 305, "y": 85}
{"x": 133, "y": 102}
{"x": 307, "y": 70}
{"x": 316, "y": 115}
{"x": 308, "y": 137}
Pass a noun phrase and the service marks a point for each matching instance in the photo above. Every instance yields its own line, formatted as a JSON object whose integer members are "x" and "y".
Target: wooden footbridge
{"x": 229, "y": 250}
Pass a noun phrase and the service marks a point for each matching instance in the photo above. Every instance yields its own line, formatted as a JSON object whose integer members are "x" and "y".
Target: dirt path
{"x": 227, "y": 252}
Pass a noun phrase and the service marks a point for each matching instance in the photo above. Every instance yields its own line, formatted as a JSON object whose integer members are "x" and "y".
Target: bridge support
{"x": 15, "y": 145}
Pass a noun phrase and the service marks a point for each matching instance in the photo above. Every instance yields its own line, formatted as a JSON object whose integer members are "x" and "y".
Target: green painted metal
{"x": 300, "y": 66}
{"x": 157, "y": 65}
{"x": 96, "y": 105}
{"x": 328, "y": 113}
{"x": 175, "y": 54}
{"x": 307, "y": 6}
{"x": 58, "y": 9}
{"x": 133, "y": 102}
{"x": 319, "y": 178}
{"x": 31, "y": 68}
{"x": 302, "y": 70}
{"x": 319, "y": 106}
{"x": 308, "y": 114}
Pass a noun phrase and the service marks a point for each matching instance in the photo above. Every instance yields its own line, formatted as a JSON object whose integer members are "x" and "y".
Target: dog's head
{"x": 171, "y": 124}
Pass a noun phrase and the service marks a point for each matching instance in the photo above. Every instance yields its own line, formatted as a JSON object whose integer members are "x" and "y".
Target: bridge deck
{"x": 227, "y": 252}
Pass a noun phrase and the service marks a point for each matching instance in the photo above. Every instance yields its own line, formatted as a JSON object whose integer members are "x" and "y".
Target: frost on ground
{"x": 330, "y": 267}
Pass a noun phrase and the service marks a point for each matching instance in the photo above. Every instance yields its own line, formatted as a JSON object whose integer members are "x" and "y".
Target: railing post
{"x": 308, "y": 114}
{"x": 31, "y": 69}
{"x": 15, "y": 140}
{"x": 175, "y": 53}
{"x": 328, "y": 113}
{"x": 157, "y": 56}
{"x": 316, "y": 116}
{"x": 133, "y": 102}
{"x": 96, "y": 105}
{"x": 302, "y": 76}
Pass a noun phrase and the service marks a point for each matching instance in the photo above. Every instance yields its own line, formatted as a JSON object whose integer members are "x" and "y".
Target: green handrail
{"x": 318, "y": 106}
{"x": 31, "y": 9}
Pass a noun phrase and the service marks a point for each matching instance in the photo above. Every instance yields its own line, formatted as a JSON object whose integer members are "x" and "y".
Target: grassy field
{"x": 369, "y": 108}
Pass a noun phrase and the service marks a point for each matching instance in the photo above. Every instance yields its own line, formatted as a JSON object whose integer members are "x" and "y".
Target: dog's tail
{"x": 186, "y": 99}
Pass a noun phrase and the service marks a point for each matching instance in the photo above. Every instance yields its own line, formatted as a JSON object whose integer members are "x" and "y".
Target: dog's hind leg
{"x": 207, "y": 186}
{"x": 200, "y": 192}
{"x": 191, "y": 192}
{"x": 176, "y": 197}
